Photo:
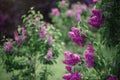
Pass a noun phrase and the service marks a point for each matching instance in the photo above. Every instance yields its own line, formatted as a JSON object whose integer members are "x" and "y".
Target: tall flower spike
{"x": 69, "y": 13}
{"x": 42, "y": 33}
{"x": 49, "y": 54}
{"x": 17, "y": 38}
{"x": 24, "y": 36}
{"x": 63, "y": 3}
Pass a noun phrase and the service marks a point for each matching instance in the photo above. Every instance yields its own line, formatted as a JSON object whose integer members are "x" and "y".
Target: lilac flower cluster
{"x": 77, "y": 36}
{"x": 63, "y": 3}
{"x": 49, "y": 54}
{"x": 55, "y": 12}
{"x": 112, "y": 78}
{"x": 95, "y": 1}
{"x": 8, "y": 46}
{"x": 42, "y": 33}
{"x": 97, "y": 19}
{"x": 69, "y": 13}
{"x": 72, "y": 76}
{"x": 89, "y": 56}
{"x": 71, "y": 59}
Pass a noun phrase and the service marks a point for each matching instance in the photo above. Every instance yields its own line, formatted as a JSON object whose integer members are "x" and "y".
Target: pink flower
{"x": 69, "y": 13}
{"x": 8, "y": 46}
{"x": 69, "y": 69}
{"x": 24, "y": 36}
{"x": 55, "y": 12}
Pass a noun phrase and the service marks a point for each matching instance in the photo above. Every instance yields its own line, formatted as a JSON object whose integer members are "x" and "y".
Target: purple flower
{"x": 76, "y": 37}
{"x": 55, "y": 12}
{"x": 95, "y": 1}
{"x": 69, "y": 69}
{"x": 42, "y": 33}
{"x": 17, "y": 38}
{"x": 69, "y": 13}
{"x": 112, "y": 78}
{"x": 77, "y": 9}
{"x": 89, "y": 59}
{"x": 90, "y": 48}
{"x": 72, "y": 76}
{"x": 71, "y": 59}
{"x": 78, "y": 17}
{"x": 50, "y": 38}
{"x": 97, "y": 19}
{"x": 49, "y": 54}
{"x": 24, "y": 36}
{"x": 8, "y": 46}
{"x": 63, "y": 3}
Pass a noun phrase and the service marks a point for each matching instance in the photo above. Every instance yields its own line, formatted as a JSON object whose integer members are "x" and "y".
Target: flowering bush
{"x": 66, "y": 16}
{"x": 35, "y": 43}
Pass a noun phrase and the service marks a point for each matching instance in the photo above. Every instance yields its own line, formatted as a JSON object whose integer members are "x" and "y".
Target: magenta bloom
{"x": 112, "y": 78}
{"x": 69, "y": 69}
{"x": 97, "y": 19}
{"x": 8, "y": 46}
{"x": 72, "y": 76}
{"x": 89, "y": 59}
{"x": 50, "y": 38}
{"x": 42, "y": 33}
{"x": 69, "y": 13}
{"x": 63, "y": 3}
{"x": 76, "y": 37}
{"x": 95, "y": 1}
{"x": 71, "y": 59}
{"x": 90, "y": 48}
{"x": 49, "y": 54}
{"x": 77, "y": 9}
{"x": 55, "y": 12}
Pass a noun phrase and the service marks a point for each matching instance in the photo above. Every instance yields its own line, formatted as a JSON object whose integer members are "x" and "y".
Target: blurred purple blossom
{"x": 76, "y": 37}
{"x": 89, "y": 56}
{"x": 63, "y": 3}
{"x": 69, "y": 69}
{"x": 24, "y": 35}
{"x": 50, "y": 38}
{"x": 49, "y": 54}
{"x": 95, "y": 1}
{"x": 71, "y": 59}
{"x": 78, "y": 17}
{"x": 8, "y": 46}
{"x": 55, "y": 12}
{"x": 69, "y": 13}
{"x": 97, "y": 19}
{"x": 17, "y": 38}
{"x": 42, "y": 33}
{"x": 72, "y": 76}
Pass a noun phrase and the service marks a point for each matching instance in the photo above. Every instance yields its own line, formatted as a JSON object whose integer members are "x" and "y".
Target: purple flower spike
{"x": 24, "y": 36}
{"x": 90, "y": 48}
{"x": 97, "y": 19}
{"x": 112, "y": 78}
{"x": 17, "y": 38}
{"x": 67, "y": 76}
{"x": 42, "y": 33}
{"x": 49, "y": 54}
{"x": 76, "y": 37}
{"x": 55, "y": 12}
{"x": 89, "y": 59}
{"x": 8, "y": 46}
{"x": 69, "y": 69}
{"x": 71, "y": 59}
{"x": 63, "y": 3}
{"x": 50, "y": 38}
